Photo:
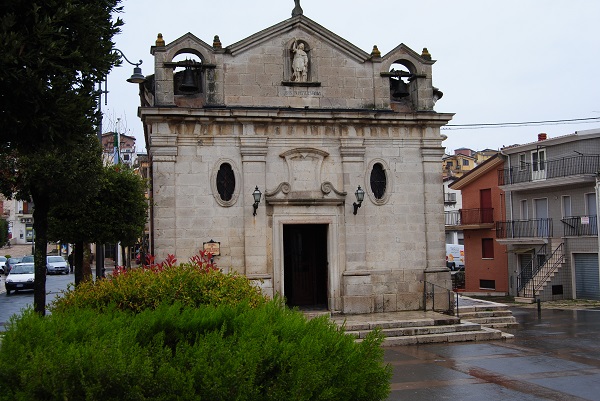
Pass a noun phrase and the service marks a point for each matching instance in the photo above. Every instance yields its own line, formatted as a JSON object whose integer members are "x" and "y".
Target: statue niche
{"x": 300, "y": 62}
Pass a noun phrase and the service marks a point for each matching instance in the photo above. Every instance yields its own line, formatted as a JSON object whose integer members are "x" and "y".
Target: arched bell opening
{"x": 187, "y": 74}
{"x": 401, "y": 78}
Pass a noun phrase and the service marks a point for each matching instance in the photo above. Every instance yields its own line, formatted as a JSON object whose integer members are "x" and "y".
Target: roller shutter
{"x": 587, "y": 276}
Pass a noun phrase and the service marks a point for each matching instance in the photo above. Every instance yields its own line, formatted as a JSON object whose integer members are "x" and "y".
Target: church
{"x": 301, "y": 161}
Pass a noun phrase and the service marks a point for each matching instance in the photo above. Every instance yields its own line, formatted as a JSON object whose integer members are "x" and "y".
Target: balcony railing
{"x": 535, "y": 228}
{"x": 449, "y": 197}
{"x": 567, "y": 166}
{"x": 469, "y": 217}
{"x": 452, "y": 218}
{"x": 576, "y": 226}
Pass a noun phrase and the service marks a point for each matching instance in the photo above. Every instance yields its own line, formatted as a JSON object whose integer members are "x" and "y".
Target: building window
{"x": 487, "y": 284}
{"x": 524, "y": 210}
{"x": 487, "y": 248}
{"x": 378, "y": 181}
{"x": 449, "y": 164}
{"x": 566, "y": 206}
{"x": 465, "y": 162}
{"x": 225, "y": 182}
{"x": 590, "y": 204}
{"x": 522, "y": 162}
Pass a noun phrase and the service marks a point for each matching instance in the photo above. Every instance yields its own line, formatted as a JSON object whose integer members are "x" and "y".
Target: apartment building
{"x": 551, "y": 230}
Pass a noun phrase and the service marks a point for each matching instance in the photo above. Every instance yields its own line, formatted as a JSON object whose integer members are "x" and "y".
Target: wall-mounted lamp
{"x": 256, "y": 195}
{"x": 137, "y": 77}
{"x": 360, "y": 195}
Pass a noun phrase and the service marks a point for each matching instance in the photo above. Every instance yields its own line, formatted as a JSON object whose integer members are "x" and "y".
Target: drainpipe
{"x": 597, "y": 211}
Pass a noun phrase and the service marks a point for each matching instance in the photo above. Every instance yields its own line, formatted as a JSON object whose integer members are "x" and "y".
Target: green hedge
{"x": 139, "y": 289}
{"x": 179, "y": 352}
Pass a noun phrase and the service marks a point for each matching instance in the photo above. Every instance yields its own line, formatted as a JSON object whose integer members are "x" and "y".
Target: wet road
{"x": 17, "y": 301}
{"x": 555, "y": 356}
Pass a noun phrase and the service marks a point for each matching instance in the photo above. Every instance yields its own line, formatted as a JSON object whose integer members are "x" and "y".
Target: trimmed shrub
{"x": 179, "y": 352}
{"x": 140, "y": 289}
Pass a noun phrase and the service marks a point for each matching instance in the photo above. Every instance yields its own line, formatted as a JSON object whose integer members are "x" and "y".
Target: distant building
{"x": 126, "y": 145}
{"x": 483, "y": 204}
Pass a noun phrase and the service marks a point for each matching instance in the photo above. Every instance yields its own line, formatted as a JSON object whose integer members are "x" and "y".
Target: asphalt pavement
{"x": 554, "y": 355}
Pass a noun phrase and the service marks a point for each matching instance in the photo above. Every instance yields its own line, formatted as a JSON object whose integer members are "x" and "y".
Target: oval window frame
{"x": 388, "y": 182}
{"x": 213, "y": 183}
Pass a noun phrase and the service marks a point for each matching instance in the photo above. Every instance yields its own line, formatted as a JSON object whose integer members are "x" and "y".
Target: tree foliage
{"x": 53, "y": 54}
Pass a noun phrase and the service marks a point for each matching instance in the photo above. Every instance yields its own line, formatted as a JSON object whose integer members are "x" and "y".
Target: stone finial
{"x": 159, "y": 40}
{"x": 297, "y": 9}
{"x": 425, "y": 54}
{"x": 217, "y": 42}
{"x": 375, "y": 52}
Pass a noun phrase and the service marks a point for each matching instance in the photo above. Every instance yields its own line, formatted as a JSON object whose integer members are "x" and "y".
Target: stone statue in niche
{"x": 299, "y": 63}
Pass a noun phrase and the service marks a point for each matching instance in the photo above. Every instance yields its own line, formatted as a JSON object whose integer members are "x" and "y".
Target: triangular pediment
{"x": 307, "y": 25}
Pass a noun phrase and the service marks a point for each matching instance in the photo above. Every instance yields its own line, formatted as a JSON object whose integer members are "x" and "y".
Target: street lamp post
{"x": 136, "y": 78}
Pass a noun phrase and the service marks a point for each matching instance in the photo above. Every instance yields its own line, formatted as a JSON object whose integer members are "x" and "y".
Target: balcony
{"x": 565, "y": 167}
{"x": 470, "y": 218}
{"x": 578, "y": 226}
{"x": 534, "y": 228}
{"x": 449, "y": 198}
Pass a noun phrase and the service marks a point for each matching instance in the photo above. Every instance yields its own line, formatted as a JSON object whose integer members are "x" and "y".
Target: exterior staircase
{"x": 477, "y": 321}
{"x": 495, "y": 316}
{"x": 536, "y": 286}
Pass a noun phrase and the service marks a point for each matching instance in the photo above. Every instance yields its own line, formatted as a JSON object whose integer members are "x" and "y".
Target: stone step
{"x": 396, "y": 324}
{"x": 495, "y": 321}
{"x": 485, "y": 334}
{"x": 481, "y": 314}
{"x": 402, "y": 331}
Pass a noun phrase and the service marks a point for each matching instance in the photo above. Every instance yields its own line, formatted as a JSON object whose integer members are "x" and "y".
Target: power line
{"x": 522, "y": 124}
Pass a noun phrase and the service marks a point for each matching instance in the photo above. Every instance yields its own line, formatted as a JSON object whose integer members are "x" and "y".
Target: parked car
{"x": 10, "y": 263}
{"x": 56, "y": 264}
{"x": 27, "y": 259}
{"x": 21, "y": 277}
{"x": 3, "y": 264}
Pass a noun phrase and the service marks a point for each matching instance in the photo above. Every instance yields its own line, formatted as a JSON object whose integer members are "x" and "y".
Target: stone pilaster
{"x": 254, "y": 153}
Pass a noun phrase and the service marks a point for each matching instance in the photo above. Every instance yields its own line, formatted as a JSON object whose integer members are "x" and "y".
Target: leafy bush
{"x": 177, "y": 352}
{"x": 195, "y": 283}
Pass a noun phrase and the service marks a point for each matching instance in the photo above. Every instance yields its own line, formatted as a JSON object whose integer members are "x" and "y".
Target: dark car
{"x": 10, "y": 263}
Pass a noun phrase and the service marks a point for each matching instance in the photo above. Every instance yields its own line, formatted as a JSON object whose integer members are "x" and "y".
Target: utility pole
{"x": 100, "y": 247}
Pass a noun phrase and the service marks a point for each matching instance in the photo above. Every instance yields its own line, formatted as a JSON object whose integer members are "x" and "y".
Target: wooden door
{"x": 305, "y": 264}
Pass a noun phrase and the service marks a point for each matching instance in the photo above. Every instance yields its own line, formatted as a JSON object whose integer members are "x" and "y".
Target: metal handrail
{"x": 430, "y": 294}
{"x": 555, "y": 260}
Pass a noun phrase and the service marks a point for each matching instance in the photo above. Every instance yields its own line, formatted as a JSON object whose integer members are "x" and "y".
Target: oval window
{"x": 378, "y": 181}
{"x": 225, "y": 182}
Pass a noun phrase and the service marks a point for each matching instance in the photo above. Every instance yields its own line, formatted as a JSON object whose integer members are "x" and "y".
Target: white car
{"x": 21, "y": 277}
{"x": 56, "y": 264}
{"x": 3, "y": 264}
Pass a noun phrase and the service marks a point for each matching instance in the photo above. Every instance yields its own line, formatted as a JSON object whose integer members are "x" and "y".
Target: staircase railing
{"x": 552, "y": 264}
{"x": 445, "y": 298}
{"x": 527, "y": 274}
{"x": 533, "y": 277}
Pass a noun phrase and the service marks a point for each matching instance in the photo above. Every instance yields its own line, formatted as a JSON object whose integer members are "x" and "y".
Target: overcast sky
{"x": 511, "y": 61}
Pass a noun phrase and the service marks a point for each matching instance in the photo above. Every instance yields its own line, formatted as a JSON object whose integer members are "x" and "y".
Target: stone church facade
{"x": 307, "y": 119}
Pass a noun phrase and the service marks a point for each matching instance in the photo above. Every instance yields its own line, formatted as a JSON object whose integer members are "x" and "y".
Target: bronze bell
{"x": 399, "y": 88}
{"x": 188, "y": 83}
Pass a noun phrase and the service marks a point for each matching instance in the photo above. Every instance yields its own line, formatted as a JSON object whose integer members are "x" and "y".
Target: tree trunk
{"x": 40, "y": 240}
{"x": 78, "y": 258}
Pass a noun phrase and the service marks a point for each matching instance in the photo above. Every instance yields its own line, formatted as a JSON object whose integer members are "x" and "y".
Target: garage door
{"x": 587, "y": 277}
